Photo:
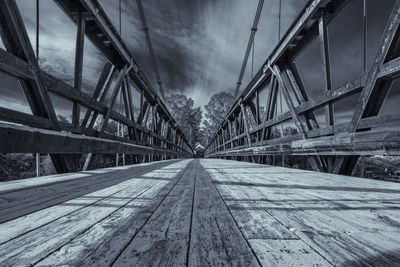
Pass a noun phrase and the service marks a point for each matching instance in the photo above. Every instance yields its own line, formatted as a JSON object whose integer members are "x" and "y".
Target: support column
{"x": 80, "y": 39}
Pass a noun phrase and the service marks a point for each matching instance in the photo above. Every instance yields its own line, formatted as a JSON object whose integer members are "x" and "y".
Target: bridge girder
{"x": 43, "y": 132}
{"x": 332, "y": 147}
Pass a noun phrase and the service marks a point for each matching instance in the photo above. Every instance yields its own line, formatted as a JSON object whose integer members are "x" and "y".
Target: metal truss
{"x": 152, "y": 132}
{"x": 248, "y": 129}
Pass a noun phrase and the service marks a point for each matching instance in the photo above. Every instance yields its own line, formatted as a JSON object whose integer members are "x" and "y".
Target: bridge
{"x": 241, "y": 204}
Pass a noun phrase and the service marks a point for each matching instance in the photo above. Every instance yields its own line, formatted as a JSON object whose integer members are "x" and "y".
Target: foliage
{"x": 216, "y": 109}
{"x": 46, "y": 165}
{"x": 23, "y": 165}
{"x": 187, "y": 116}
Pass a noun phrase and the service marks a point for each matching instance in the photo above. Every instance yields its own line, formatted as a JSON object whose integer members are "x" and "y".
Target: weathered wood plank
{"x": 24, "y": 224}
{"x": 337, "y": 219}
{"x": 254, "y": 223}
{"x": 36, "y": 245}
{"x": 215, "y": 238}
{"x": 286, "y": 253}
{"x": 164, "y": 239}
{"x": 25, "y": 200}
{"x": 77, "y": 251}
{"x": 116, "y": 239}
{"x": 242, "y": 214}
{"x": 87, "y": 223}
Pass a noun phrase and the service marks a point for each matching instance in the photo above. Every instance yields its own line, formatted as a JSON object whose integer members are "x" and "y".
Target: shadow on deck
{"x": 199, "y": 213}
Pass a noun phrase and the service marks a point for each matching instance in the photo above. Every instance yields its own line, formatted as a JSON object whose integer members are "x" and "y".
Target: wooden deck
{"x": 199, "y": 213}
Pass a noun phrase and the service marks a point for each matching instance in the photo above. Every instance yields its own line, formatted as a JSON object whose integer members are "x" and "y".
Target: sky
{"x": 200, "y": 45}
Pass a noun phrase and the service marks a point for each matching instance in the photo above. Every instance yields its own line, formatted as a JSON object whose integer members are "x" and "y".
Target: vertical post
{"x": 279, "y": 20}
{"x": 37, "y": 165}
{"x": 365, "y": 34}
{"x": 80, "y": 38}
{"x": 283, "y": 160}
{"x": 363, "y": 166}
{"x": 116, "y": 155}
{"x": 37, "y": 30}
{"x": 246, "y": 127}
{"x": 326, "y": 65}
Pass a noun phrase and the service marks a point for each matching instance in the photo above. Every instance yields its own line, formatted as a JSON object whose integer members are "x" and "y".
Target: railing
{"x": 306, "y": 126}
{"x": 146, "y": 129}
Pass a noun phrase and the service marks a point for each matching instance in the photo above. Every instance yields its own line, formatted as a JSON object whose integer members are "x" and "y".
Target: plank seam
{"x": 191, "y": 215}
{"x": 91, "y": 175}
{"x": 57, "y": 217}
{"x": 299, "y": 238}
{"x": 272, "y": 238}
{"x": 66, "y": 193}
{"x": 149, "y": 217}
{"x": 91, "y": 226}
{"x": 237, "y": 225}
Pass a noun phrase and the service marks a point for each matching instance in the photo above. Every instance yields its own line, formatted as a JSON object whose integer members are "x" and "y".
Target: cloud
{"x": 200, "y": 44}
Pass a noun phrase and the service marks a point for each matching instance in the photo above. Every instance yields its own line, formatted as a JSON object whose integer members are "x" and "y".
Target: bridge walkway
{"x": 199, "y": 213}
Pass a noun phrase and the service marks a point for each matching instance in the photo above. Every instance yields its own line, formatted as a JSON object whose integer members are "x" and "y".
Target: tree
{"x": 187, "y": 116}
{"x": 216, "y": 110}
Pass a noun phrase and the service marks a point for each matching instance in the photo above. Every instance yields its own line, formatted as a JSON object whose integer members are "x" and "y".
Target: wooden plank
{"x": 107, "y": 243}
{"x": 38, "y": 181}
{"x": 18, "y": 202}
{"x": 86, "y": 220}
{"x": 32, "y": 221}
{"x": 164, "y": 239}
{"x": 216, "y": 238}
{"x": 36, "y": 245}
{"x": 338, "y": 221}
{"x": 76, "y": 252}
{"x": 286, "y": 253}
{"x": 255, "y": 223}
